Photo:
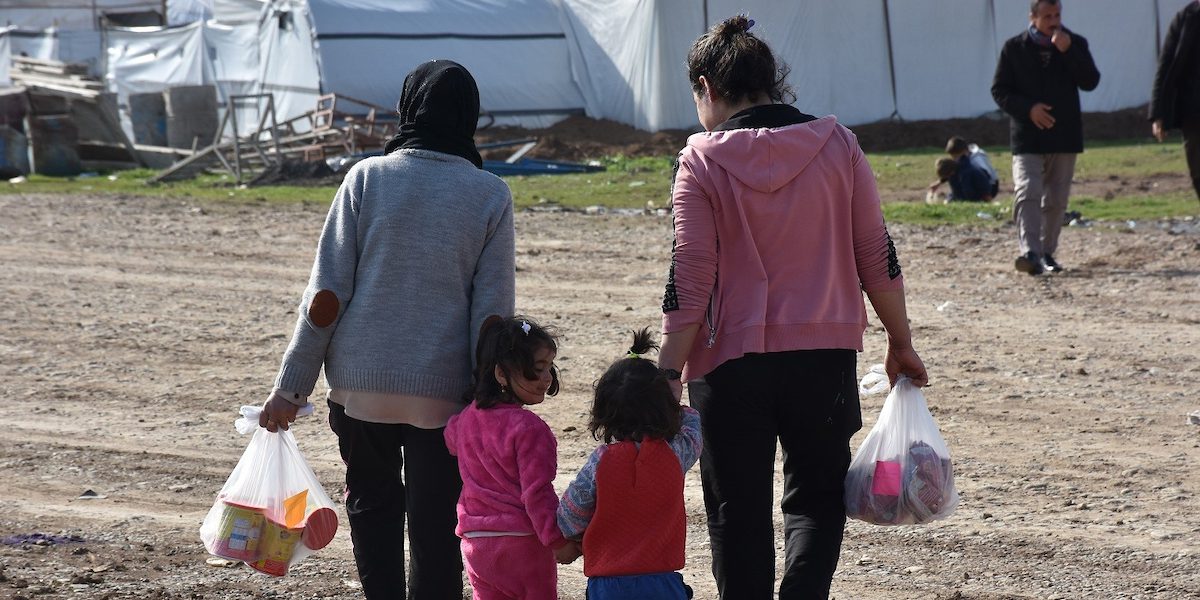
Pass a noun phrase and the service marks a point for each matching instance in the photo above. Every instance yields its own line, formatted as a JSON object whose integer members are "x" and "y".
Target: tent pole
{"x": 887, "y": 28}
{"x": 1157, "y": 30}
{"x": 704, "y": 25}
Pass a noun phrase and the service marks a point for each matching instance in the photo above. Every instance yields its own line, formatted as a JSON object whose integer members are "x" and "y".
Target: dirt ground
{"x": 134, "y": 328}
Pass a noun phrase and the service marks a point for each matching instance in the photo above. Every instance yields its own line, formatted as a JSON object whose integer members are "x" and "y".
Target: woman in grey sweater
{"x": 416, "y": 252}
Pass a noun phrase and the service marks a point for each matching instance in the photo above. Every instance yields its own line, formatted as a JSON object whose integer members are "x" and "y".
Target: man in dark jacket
{"x": 1175, "y": 100}
{"x": 1037, "y": 83}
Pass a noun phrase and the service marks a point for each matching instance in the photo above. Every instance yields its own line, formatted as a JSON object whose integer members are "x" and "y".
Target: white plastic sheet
{"x": 238, "y": 11}
{"x": 944, "y": 57}
{"x": 69, "y": 14}
{"x": 289, "y": 67}
{"x": 5, "y": 57}
{"x": 630, "y": 58}
{"x": 516, "y": 50}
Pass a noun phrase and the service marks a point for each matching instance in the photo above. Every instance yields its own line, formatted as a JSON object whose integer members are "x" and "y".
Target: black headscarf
{"x": 439, "y": 108}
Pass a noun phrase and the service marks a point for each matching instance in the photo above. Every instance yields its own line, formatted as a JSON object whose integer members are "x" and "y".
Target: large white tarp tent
{"x": 861, "y": 60}
{"x": 182, "y": 12}
{"x": 69, "y": 14}
{"x": 516, "y": 49}
{"x": 5, "y": 57}
{"x": 624, "y": 60}
{"x": 227, "y": 56}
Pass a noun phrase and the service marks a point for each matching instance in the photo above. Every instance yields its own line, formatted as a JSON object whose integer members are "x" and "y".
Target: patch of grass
{"x": 1137, "y": 208}
{"x": 625, "y": 183}
{"x": 639, "y": 182}
{"x": 134, "y": 183}
{"x": 955, "y": 213}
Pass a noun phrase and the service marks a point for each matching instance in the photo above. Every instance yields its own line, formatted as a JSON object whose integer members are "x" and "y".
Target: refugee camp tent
{"x": 238, "y": 59}
{"x": 5, "y": 57}
{"x": 516, "y": 49}
{"x": 861, "y": 60}
{"x": 70, "y": 15}
{"x": 539, "y": 60}
{"x": 182, "y": 12}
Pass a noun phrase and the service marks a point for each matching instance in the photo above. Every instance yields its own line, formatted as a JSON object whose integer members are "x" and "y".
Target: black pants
{"x": 378, "y": 498}
{"x": 1191, "y": 149}
{"x": 808, "y": 401}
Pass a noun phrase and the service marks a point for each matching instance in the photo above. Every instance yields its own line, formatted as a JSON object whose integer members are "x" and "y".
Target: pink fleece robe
{"x": 777, "y": 232}
{"x": 508, "y": 458}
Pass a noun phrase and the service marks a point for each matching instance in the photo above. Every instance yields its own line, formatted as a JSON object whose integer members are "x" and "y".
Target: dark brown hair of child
{"x": 510, "y": 344}
{"x": 737, "y": 64}
{"x": 633, "y": 401}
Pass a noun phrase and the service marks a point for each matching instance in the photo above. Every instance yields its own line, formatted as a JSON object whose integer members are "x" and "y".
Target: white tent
{"x": 516, "y": 49}
{"x": 863, "y": 61}
{"x": 69, "y": 14}
{"x": 624, "y": 60}
{"x": 289, "y": 67}
{"x": 5, "y": 57}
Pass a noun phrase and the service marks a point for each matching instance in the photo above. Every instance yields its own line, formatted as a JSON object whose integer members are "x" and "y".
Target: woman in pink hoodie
{"x": 508, "y": 458}
{"x": 778, "y": 232}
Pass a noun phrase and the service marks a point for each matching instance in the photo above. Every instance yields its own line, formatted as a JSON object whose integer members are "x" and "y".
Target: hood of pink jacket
{"x": 741, "y": 151}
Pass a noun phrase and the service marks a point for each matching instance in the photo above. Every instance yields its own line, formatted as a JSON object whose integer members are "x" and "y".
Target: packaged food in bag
{"x": 902, "y": 473}
{"x": 272, "y": 511}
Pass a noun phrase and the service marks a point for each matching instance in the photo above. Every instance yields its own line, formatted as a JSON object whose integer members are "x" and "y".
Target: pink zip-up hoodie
{"x": 777, "y": 233}
{"x": 508, "y": 458}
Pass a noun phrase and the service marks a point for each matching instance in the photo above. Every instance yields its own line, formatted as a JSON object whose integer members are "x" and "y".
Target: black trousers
{"x": 1191, "y": 149}
{"x": 393, "y": 471}
{"x": 808, "y": 401}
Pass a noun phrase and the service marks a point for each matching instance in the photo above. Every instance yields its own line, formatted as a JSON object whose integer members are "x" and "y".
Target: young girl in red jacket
{"x": 626, "y": 505}
{"x": 507, "y": 457}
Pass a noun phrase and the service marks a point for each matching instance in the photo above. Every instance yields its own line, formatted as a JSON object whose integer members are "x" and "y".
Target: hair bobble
{"x": 525, "y": 327}
{"x": 633, "y": 354}
{"x": 749, "y": 24}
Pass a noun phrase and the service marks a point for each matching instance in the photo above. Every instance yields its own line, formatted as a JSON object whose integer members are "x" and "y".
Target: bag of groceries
{"x": 902, "y": 473}
{"x": 272, "y": 512}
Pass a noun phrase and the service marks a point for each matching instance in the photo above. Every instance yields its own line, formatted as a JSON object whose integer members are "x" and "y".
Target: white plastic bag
{"x": 272, "y": 512}
{"x": 902, "y": 473}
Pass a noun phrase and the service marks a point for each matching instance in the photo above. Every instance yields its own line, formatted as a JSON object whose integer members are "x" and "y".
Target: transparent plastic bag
{"x": 272, "y": 511}
{"x": 902, "y": 473}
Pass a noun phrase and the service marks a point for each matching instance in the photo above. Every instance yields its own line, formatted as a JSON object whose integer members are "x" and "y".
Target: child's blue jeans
{"x": 652, "y": 586}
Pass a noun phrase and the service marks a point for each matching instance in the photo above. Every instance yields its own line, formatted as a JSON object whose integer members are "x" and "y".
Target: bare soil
{"x": 134, "y": 328}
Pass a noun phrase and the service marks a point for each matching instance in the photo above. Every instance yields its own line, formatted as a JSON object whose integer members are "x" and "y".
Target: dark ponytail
{"x": 737, "y": 64}
{"x": 633, "y": 401}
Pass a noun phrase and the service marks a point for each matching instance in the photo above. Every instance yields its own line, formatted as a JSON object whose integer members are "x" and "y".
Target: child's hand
{"x": 568, "y": 552}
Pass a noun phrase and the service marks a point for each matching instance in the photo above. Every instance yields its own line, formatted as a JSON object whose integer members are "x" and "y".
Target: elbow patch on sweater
{"x": 323, "y": 310}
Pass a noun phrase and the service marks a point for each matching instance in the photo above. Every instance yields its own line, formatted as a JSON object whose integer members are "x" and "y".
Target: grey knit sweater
{"x": 416, "y": 252}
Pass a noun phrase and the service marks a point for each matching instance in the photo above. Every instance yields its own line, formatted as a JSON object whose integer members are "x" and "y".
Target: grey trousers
{"x": 1042, "y": 185}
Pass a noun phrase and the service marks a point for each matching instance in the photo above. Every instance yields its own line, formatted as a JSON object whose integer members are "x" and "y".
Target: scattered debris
{"x": 40, "y": 539}
{"x": 91, "y": 495}
{"x": 223, "y": 563}
{"x": 1194, "y": 417}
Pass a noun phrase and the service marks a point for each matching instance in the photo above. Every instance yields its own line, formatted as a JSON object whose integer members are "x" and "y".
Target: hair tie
{"x": 633, "y": 354}
{"x": 749, "y": 24}
{"x": 525, "y": 327}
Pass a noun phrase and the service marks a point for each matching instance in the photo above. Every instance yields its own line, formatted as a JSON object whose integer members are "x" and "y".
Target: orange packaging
{"x": 276, "y": 549}
{"x": 240, "y": 532}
